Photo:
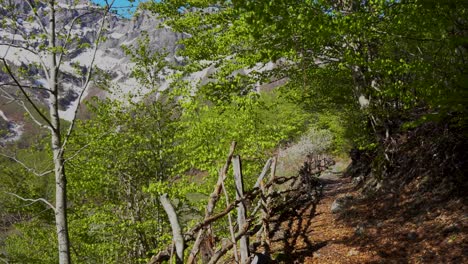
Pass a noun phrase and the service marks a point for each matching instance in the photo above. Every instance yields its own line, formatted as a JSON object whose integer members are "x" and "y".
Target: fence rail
{"x": 253, "y": 225}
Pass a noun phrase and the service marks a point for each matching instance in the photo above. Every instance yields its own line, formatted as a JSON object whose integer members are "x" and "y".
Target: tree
{"x": 395, "y": 56}
{"x": 383, "y": 59}
{"x": 116, "y": 215}
{"x": 41, "y": 37}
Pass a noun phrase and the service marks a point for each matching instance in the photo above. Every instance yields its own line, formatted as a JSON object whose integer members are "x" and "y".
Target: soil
{"x": 384, "y": 228}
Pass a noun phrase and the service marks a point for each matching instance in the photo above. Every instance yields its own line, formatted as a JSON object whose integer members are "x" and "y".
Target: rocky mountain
{"x": 20, "y": 39}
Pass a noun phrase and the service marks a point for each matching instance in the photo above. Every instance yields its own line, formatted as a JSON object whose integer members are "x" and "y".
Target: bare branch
{"x": 12, "y": 98}
{"x": 36, "y": 15}
{"x": 26, "y": 94}
{"x": 33, "y": 118}
{"x": 33, "y": 200}
{"x": 7, "y": 95}
{"x": 231, "y": 227}
{"x": 178, "y": 239}
{"x": 72, "y": 23}
{"x": 20, "y": 47}
{"x": 83, "y": 148}
{"x": 29, "y": 169}
{"x": 26, "y": 86}
{"x": 33, "y": 52}
{"x": 88, "y": 78}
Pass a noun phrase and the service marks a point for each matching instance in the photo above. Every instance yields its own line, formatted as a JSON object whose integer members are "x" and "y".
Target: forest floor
{"x": 382, "y": 229}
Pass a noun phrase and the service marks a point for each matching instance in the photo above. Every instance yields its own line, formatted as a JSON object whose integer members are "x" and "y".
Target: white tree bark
{"x": 61, "y": 222}
{"x": 51, "y": 66}
{"x": 176, "y": 230}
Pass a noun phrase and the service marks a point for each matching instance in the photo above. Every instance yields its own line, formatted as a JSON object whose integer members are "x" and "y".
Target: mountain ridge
{"x": 17, "y": 36}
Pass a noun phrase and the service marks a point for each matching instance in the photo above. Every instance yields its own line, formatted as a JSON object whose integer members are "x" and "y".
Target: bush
{"x": 291, "y": 158}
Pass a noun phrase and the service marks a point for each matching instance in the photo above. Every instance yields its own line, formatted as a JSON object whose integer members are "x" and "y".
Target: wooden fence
{"x": 253, "y": 222}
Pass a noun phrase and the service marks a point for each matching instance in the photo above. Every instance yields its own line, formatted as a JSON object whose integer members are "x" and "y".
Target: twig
{"x": 84, "y": 147}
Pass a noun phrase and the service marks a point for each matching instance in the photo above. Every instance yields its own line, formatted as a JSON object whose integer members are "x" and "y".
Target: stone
{"x": 360, "y": 229}
{"x": 353, "y": 252}
{"x": 412, "y": 235}
{"x": 341, "y": 203}
{"x": 358, "y": 180}
{"x": 336, "y": 207}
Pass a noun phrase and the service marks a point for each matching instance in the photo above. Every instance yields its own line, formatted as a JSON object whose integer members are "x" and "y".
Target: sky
{"x": 126, "y": 12}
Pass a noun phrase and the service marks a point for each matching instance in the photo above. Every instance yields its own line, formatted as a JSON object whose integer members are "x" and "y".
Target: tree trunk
{"x": 61, "y": 202}
{"x": 56, "y": 143}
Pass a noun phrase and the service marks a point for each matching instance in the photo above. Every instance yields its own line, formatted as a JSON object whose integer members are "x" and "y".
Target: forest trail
{"x": 329, "y": 236}
{"x": 305, "y": 238}
{"x": 385, "y": 229}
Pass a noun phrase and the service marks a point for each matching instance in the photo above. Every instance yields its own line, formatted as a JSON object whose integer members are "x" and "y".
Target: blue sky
{"x": 122, "y": 3}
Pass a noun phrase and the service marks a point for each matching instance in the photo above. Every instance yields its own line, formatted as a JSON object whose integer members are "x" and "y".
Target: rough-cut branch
{"x": 190, "y": 235}
{"x": 242, "y": 232}
{"x": 264, "y": 172}
{"x": 214, "y": 197}
{"x": 176, "y": 230}
{"x": 241, "y": 208}
{"x": 249, "y": 196}
{"x": 246, "y": 230}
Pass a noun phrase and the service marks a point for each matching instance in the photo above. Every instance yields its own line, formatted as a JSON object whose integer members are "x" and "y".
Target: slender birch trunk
{"x": 61, "y": 222}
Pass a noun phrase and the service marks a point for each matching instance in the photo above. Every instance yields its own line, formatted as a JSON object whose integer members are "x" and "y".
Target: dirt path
{"x": 326, "y": 230}
{"x": 305, "y": 238}
{"x": 386, "y": 229}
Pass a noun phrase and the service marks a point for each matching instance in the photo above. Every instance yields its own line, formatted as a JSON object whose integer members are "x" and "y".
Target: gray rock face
{"x": 110, "y": 57}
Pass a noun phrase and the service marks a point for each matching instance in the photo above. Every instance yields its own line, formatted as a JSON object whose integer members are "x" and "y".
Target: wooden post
{"x": 241, "y": 210}
{"x": 231, "y": 226}
{"x": 176, "y": 230}
{"x": 214, "y": 197}
{"x": 266, "y": 209}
